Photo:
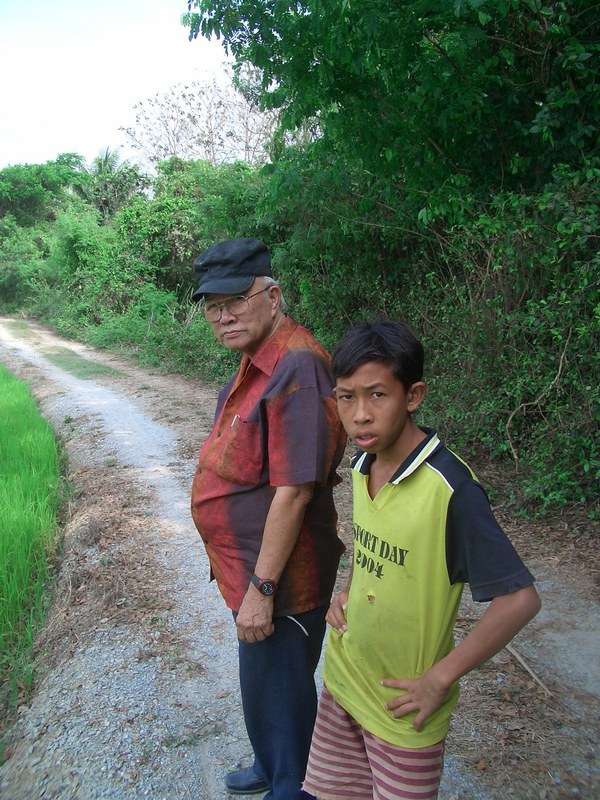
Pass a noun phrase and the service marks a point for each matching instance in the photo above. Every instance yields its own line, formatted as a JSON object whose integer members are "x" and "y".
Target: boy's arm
{"x": 336, "y": 615}
{"x": 502, "y": 620}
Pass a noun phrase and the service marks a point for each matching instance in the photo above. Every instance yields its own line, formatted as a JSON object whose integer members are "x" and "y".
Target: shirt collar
{"x": 266, "y": 357}
{"x": 362, "y": 461}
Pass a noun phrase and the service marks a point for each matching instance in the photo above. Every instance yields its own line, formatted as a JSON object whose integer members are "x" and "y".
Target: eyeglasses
{"x": 235, "y": 305}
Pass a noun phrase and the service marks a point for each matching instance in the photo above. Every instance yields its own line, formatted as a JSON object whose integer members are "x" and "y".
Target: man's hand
{"x": 255, "y": 618}
{"x": 336, "y": 615}
{"x": 254, "y": 621}
{"x": 424, "y": 695}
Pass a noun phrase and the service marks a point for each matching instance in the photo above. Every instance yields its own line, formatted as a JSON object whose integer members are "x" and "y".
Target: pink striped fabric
{"x": 346, "y": 762}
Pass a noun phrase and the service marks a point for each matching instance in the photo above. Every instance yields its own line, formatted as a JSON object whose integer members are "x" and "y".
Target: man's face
{"x": 247, "y": 330}
{"x": 375, "y": 408}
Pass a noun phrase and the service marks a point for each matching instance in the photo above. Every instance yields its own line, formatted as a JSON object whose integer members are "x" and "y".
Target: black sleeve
{"x": 478, "y": 552}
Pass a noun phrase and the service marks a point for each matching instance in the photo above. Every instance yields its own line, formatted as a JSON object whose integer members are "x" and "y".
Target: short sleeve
{"x": 303, "y": 436}
{"x": 478, "y": 552}
{"x": 305, "y": 440}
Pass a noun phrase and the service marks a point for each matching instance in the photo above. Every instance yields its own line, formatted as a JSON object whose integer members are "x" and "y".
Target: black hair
{"x": 387, "y": 342}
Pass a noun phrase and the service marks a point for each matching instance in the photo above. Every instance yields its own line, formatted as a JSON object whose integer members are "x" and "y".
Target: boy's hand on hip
{"x": 423, "y": 695}
{"x": 254, "y": 621}
{"x": 336, "y": 616}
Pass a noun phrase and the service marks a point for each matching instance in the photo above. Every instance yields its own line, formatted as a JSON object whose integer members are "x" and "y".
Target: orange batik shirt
{"x": 276, "y": 424}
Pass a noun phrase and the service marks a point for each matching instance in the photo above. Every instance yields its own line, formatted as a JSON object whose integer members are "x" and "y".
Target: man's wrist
{"x": 266, "y": 586}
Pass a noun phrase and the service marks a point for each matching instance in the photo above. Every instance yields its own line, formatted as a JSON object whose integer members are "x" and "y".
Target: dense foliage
{"x": 482, "y": 93}
{"x": 32, "y": 193}
{"x": 437, "y": 162}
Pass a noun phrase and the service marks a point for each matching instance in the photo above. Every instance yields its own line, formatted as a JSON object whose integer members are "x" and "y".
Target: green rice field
{"x": 30, "y": 490}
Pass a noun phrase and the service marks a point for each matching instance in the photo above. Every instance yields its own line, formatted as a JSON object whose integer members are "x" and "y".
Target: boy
{"x": 422, "y": 528}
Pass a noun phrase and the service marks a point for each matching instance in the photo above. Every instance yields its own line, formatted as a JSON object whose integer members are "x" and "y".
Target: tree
{"x": 477, "y": 93}
{"x": 210, "y": 121}
{"x": 33, "y": 193}
{"x": 192, "y": 205}
{"x": 109, "y": 184}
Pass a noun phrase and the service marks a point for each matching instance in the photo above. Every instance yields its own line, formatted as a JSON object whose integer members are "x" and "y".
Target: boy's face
{"x": 375, "y": 410}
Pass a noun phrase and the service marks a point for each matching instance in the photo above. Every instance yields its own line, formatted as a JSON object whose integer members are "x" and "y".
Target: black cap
{"x": 231, "y": 267}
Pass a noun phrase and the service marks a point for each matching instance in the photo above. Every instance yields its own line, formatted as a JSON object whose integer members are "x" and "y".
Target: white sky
{"x": 72, "y": 70}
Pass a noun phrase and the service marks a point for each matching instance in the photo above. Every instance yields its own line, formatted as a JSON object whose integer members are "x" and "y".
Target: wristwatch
{"x": 265, "y": 585}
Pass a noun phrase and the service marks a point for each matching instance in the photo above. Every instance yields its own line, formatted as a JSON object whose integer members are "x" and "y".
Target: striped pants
{"x": 346, "y": 762}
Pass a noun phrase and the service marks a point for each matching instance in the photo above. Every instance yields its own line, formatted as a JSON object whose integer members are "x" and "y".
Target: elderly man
{"x": 262, "y": 502}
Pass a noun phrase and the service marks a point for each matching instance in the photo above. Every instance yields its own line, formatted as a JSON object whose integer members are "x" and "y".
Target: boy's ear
{"x": 416, "y": 395}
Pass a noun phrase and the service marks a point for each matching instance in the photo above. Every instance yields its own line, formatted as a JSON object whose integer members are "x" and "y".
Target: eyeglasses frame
{"x": 223, "y": 304}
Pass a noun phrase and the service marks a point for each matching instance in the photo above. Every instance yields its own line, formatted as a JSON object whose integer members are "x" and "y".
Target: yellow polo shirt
{"x": 426, "y": 532}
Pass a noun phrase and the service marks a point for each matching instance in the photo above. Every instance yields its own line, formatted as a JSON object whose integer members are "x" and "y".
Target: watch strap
{"x": 265, "y": 586}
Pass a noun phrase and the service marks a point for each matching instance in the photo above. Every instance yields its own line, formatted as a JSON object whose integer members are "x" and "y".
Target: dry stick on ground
{"x": 525, "y": 666}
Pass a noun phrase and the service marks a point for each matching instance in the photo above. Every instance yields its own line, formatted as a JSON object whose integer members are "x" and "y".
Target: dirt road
{"x": 138, "y": 693}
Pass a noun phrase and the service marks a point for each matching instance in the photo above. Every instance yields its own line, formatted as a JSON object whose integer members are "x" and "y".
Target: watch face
{"x": 267, "y": 587}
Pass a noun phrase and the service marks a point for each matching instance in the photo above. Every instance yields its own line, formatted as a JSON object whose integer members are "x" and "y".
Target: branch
{"x": 539, "y": 398}
{"x": 432, "y": 40}
{"x": 367, "y": 224}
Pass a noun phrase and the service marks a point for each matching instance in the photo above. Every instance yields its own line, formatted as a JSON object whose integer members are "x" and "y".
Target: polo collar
{"x": 362, "y": 461}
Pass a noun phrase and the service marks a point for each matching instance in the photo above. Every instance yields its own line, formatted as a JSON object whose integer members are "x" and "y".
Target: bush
{"x": 155, "y": 332}
{"x": 514, "y": 333}
{"x": 22, "y": 251}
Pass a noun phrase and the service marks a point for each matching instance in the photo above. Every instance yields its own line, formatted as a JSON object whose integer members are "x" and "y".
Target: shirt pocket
{"x": 240, "y": 459}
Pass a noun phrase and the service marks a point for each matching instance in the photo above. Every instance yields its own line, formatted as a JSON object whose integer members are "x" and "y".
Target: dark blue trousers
{"x": 279, "y": 698}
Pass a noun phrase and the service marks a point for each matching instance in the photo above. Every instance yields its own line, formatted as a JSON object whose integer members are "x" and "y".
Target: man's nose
{"x": 226, "y": 315}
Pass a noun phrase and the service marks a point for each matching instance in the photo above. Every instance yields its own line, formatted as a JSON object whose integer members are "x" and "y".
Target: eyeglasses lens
{"x": 235, "y": 306}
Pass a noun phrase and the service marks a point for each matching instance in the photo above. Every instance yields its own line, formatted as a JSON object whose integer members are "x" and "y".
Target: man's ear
{"x": 416, "y": 395}
{"x": 274, "y": 295}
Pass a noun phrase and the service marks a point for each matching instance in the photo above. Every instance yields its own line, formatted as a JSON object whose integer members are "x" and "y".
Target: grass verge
{"x": 76, "y": 365}
{"x": 30, "y": 493}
